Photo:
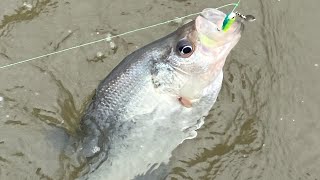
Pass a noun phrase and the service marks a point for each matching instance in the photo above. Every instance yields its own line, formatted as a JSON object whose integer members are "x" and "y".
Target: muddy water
{"x": 265, "y": 124}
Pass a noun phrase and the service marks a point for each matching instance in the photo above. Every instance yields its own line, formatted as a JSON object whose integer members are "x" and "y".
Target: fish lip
{"x": 208, "y": 25}
{"x": 213, "y": 15}
{"x": 201, "y": 15}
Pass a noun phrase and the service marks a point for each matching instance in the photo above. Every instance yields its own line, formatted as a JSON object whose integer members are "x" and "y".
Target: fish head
{"x": 199, "y": 51}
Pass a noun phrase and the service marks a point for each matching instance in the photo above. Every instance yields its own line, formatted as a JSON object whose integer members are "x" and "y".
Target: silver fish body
{"x": 156, "y": 98}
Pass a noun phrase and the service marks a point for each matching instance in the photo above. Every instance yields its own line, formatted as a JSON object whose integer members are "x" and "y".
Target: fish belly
{"x": 152, "y": 126}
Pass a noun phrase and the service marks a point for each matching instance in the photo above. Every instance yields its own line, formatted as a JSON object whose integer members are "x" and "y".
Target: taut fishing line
{"x": 108, "y": 38}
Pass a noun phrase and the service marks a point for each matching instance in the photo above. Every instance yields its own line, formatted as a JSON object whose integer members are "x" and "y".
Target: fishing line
{"x": 235, "y": 6}
{"x": 109, "y": 38}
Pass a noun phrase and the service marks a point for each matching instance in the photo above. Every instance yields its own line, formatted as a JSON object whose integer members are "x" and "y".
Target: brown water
{"x": 265, "y": 124}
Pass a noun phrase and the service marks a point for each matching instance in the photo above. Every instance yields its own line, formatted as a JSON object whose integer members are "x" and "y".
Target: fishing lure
{"x": 248, "y": 18}
{"x": 230, "y": 18}
{"x": 228, "y": 21}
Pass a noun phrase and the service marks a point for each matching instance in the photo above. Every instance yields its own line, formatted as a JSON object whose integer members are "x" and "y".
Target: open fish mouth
{"x": 209, "y": 26}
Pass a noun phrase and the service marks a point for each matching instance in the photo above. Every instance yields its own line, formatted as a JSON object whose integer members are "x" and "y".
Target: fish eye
{"x": 185, "y": 48}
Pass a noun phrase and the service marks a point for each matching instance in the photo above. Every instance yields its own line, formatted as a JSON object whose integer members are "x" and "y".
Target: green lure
{"x": 228, "y": 21}
{"x": 230, "y": 18}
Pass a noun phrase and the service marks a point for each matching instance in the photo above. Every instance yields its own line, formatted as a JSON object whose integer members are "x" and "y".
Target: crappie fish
{"x": 156, "y": 98}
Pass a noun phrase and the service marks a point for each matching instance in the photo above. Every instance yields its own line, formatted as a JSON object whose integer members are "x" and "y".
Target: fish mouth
{"x": 209, "y": 26}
